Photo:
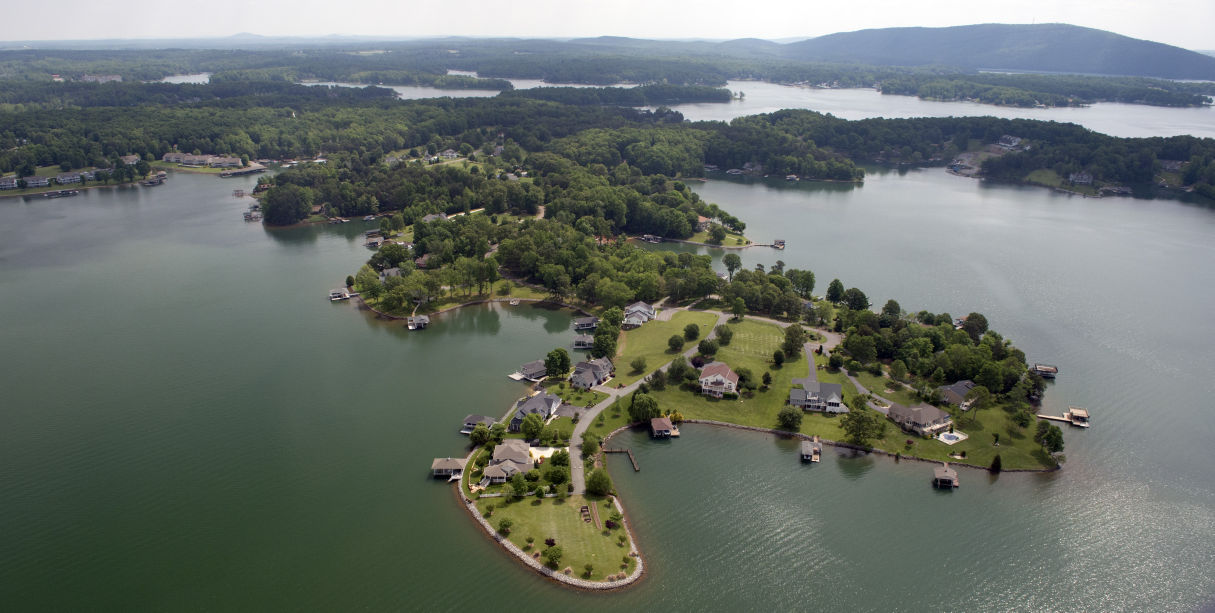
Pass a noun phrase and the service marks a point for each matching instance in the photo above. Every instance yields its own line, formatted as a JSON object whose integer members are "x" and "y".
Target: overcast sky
{"x": 1185, "y": 23}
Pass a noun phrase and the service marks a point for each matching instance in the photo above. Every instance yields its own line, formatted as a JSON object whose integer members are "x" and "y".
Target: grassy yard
{"x": 609, "y": 419}
{"x": 878, "y": 385}
{"x": 561, "y": 520}
{"x": 573, "y": 395}
{"x": 1017, "y": 447}
{"x": 650, "y": 341}
{"x": 730, "y": 240}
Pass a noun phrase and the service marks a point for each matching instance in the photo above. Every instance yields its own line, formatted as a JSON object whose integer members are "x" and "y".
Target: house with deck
{"x": 818, "y": 396}
{"x": 8, "y": 183}
{"x": 586, "y": 323}
{"x": 717, "y": 380}
{"x": 511, "y": 456}
{"x": 65, "y": 178}
{"x": 640, "y": 309}
{"x": 923, "y": 419}
{"x": 543, "y": 405}
{"x": 36, "y": 181}
{"x": 590, "y": 373}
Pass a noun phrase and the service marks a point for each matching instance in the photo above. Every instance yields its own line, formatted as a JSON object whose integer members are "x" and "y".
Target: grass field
{"x": 731, "y": 239}
{"x": 650, "y": 341}
{"x": 573, "y": 395}
{"x": 561, "y": 520}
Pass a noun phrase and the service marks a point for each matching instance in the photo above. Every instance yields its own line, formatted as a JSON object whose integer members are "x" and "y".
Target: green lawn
{"x": 573, "y": 395}
{"x": 1017, "y": 447}
{"x": 562, "y": 521}
{"x": 730, "y": 240}
{"x": 650, "y": 341}
{"x": 609, "y": 419}
{"x": 878, "y": 385}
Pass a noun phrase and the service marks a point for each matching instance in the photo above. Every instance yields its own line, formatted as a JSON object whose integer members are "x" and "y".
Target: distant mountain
{"x": 1051, "y": 47}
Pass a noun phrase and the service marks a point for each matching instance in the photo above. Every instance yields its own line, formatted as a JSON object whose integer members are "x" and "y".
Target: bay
{"x": 190, "y": 424}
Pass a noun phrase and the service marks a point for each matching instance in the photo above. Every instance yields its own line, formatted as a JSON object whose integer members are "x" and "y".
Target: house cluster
{"x": 636, "y": 314}
{"x": 187, "y": 159}
{"x": 63, "y": 178}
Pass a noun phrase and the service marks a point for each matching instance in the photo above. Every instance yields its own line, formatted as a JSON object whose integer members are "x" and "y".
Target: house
{"x": 173, "y": 157}
{"x": 586, "y": 323}
{"x": 584, "y": 341}
{"x": 446, "y": 467}
{"x": 8, "y": 183}
{"x": 632, "y": 321}
{"x": 64, "y": 178}
{"x": 1080, "y": 178}
{"x": 101, "y": 78}
{"x": 955, "y": 393}
{"x": 661, "y": 427}
{"x": 1008, "y": 141}
{"x": 389, "y": 272}
{"x": 717, "y": 380}
{"x": 195, "y": 160}
{"x": 129, "y": 160}
{"x": 434, "y": 217}
{"x": 471, "y": 422}
{"x": 818, "y": 396}
{"x": 225, "y": 162}
{"x": 511, "y": 456}
{"x": 640, "y": 308}
{"x": 534, "y": 371}
{"x": 543, "y": 405}
{"x": 590, "y": 373}
{"x": 702, "y": 223}
{"x": 922, "y": 419}
{"x": 944, "y": 476}
{"x": 36, "y": 181}
{"x": 449, "y": 154}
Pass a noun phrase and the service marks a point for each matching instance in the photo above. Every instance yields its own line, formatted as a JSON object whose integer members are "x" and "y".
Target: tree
{"x": 675, "y": 343}
{"x": 504, "y": 526}
{"x": 802, "y": 280}
{"x": 557, "y": 363}
{"x": 739, "y": 308}
{"x": 767, "y": 378}
{"x": 861, "y": 425}
{"x": 790, "y": 418}
{"x": 533, "y": 424}
{"x": 497, "y": 432}
{"x": 732, "y": 263}
{"x": 835, "y": 291}
{"x": 560, "y": 458}
{"x": 605, "y": 342}
{"x": 856, "y": 299}
{"x": 590, "y": 446}
{"x": 975, "y": 325}
{"x": 589, "y": 567}
{"x": 638, "y": 364}
{"x": 349, "y": 281}
{"x": 892, "y": 309}
{"x": 778, "y": 358}
{"x": 795, "y": 336}
{"x": 598, "y": 482}
{"x": 724, "y": 335}
{"x": 898, "y": 370}
{"x": 717, "y": 234}
{"x": 519, "y": 484}
{"x": 479, "y": 435}
{"x": 1049, "y": 436}
{"x": 658, "y": 380}
{"x": 643, "y": 408}
{"x": 553, "y": 555}
{"x": 691, "y": 331}
{"x": 979, "y": 397}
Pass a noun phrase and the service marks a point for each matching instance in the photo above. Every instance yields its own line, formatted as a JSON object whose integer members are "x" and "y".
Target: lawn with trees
{"x": 652, "y": 342}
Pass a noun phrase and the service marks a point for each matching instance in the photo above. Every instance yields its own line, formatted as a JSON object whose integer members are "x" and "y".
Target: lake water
{"x": 201, "y": 77}
{"x": 189, "y": 423}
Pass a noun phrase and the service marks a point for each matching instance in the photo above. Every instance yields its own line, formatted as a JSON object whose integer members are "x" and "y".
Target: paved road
{"x": 577, "y": 467}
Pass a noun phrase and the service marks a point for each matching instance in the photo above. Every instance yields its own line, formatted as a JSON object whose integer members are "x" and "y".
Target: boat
{"x": 1046, "y": 371}
{"x": 514, "y": 302}
{"x": 60, "y": 193}
{"x": 779, "y": 243}
{"x": 369, "y": 218}
{"x": 791, "y": 178}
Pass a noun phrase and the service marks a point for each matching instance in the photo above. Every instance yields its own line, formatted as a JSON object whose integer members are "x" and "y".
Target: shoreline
{"x": 70, "y": 187}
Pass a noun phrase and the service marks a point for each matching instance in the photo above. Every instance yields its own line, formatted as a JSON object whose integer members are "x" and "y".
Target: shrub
{"x": 610, "y": 525}
{"x": 550, "y": 542}
{"x": 875, "y": 369}
{"x": 675, "y": 343}
{"x": 504, "y": 526}
{"x": 707, "y": 347}
{"x": 698, "y": 361}
{"x": 835, "y": 362}
{"x": 724, "y": 335}
{"x": 691, "y": 332}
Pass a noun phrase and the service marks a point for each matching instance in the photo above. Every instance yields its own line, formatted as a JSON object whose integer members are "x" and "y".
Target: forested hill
{"x": 1039, "y": 48}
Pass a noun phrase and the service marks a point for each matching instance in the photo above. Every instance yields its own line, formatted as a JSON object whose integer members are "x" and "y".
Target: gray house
{"x": 586, "y": 323}
{"x": 584, "y": 341}
{"x": 818, "y": 396}
{"x": 471, "y": 422}
{"x": 636, "y": 314}
{"x": 543, "y": 405}
{"x": 534, "y": 371}
{"x": 591, "y": 373}
{"x": 921, "y": 419}
{"x": 446, "y": 467}
{"x": 510, "y": 456}
{"x": 955, "y": 393}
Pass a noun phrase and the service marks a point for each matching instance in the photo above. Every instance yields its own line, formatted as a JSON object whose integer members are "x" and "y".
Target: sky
{"x": 1184, "y": 23}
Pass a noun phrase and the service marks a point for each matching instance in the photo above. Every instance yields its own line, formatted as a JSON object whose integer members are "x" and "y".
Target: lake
{"x": 189, "y": 423}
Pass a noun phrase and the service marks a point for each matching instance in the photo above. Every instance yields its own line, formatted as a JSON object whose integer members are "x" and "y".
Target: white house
{"x": 717, "y": 379}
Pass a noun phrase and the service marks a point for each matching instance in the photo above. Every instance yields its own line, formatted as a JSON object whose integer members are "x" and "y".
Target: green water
{"x": 189, "y": 424}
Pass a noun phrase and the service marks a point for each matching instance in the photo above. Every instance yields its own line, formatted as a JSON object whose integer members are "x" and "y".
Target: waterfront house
{"x": 65, "y": 178}
{"x": 129, "y": 160}
{"x": 534, "y": 371}
{"x": 818, "y": 396}
{"x": 511, "y": 456}
{"x": 590, "y": 373}
{"x": 945, "y": 477}
{"x": 36, "y": 181}
{"x": 641, "y": 309}
{"x": 1008, "y": 141}
{"x": 446, "y": 467}
{"x": 922, "y": 419}
{"x": 586, "y": 323}
{"x": 225, "y": 162}
{"x": 584, "y": 341}
{"x": 1080, "y": 178}
{"x": 544, "y": 405}
{"x": 449, "y": 154}
{"x": 661, "y": 427}
{"x": 422, "y": 261}
{"x": 471, "y": 422}
{"x": 955, "y": 393}
{"x": 8, "y": 183}
{"x": 702, "y": 223}
{"x": 173, "y": 157}
{"x": 717, "y": 380}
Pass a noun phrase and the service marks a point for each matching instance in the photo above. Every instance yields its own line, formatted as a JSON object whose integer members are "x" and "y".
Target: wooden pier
{"x": 636, "y": 466}
{"x": 1075, "y": 416}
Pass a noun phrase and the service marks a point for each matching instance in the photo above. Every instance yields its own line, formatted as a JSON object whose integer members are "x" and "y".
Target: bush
{"x": 835, "y": 362}
{"x": 638, "y": 364}
{"x": 598, "y": 482}
{"x": 875, "y": 369}
{"x": 778, "y": 358}
{"x": 610, "y": 525}
{"x": 504, "y": 526}
{"x": 698, "y": 361}
{"x": 675, "y": 343}
{"x": 550, "y": 542}
{"x": 790, "y": 418}
{"x": 707, "y": 347}
{"x": 730, "y": 396}
{"x": 724, "y": 335}
{"x": 691, "y": 332}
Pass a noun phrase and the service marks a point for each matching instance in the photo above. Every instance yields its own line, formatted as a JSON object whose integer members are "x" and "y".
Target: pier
{"x": 636, "y": 466}
{"x": 1075, "y": 416}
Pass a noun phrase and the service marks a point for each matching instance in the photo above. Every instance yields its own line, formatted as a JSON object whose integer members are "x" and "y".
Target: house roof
{"x": 639, "y": 306}
{"x": 540, "y": 403}
{"x": 719, "y": 368}
{"x": 584, "y": 338}
{"x": 944, "y": 472}
{"x": 512, "y": 450}
{"x": 480, "y": 419}
{"x": 956, "y": 392}
{"x": 921, "y": 414}
{"x": 536, "y": 366}
{"x": 586, "y": 320}
{"x": 660, "y": 423}
{"x": 448, "y": 464}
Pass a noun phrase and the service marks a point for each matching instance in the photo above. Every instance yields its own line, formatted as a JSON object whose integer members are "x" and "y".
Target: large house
{"x": 590, "y": 373}
{"x": 225, "y": 162}
{"x": 65, "y": 178}
{"x": 36, "y": 181}
{"x": 434, "y": 217}
{"x": 717, "y": 380}
{"x": 955, "y": 393}
{"x": 543, "y": 405}
{"x": 534, "y": 371}
{"x": 510, "y": 456}
{"x": 818, "y": 396}
{"x": 636, "y": 314}
{"x": 586, "y": 323}
{"x": 129, "y": 160}
{"x": 921, "y": 419}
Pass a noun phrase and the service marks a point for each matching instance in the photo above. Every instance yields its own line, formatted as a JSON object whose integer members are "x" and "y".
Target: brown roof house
{"x": 717, "y": 380}
{"x": 922, "y": 419}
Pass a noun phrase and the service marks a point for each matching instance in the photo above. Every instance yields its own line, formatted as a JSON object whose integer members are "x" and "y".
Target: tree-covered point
{"x": 645, "y": 95}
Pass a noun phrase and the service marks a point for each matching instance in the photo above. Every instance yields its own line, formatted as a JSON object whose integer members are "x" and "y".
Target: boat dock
{"x": 1046, "y": 371}
{"x": 417, "y": 322}
{"x": 812, "y": 451}
{"x": 945, "y": 477}
{"x": 636, "y": 466}
{"x": 1075, "y": 416}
